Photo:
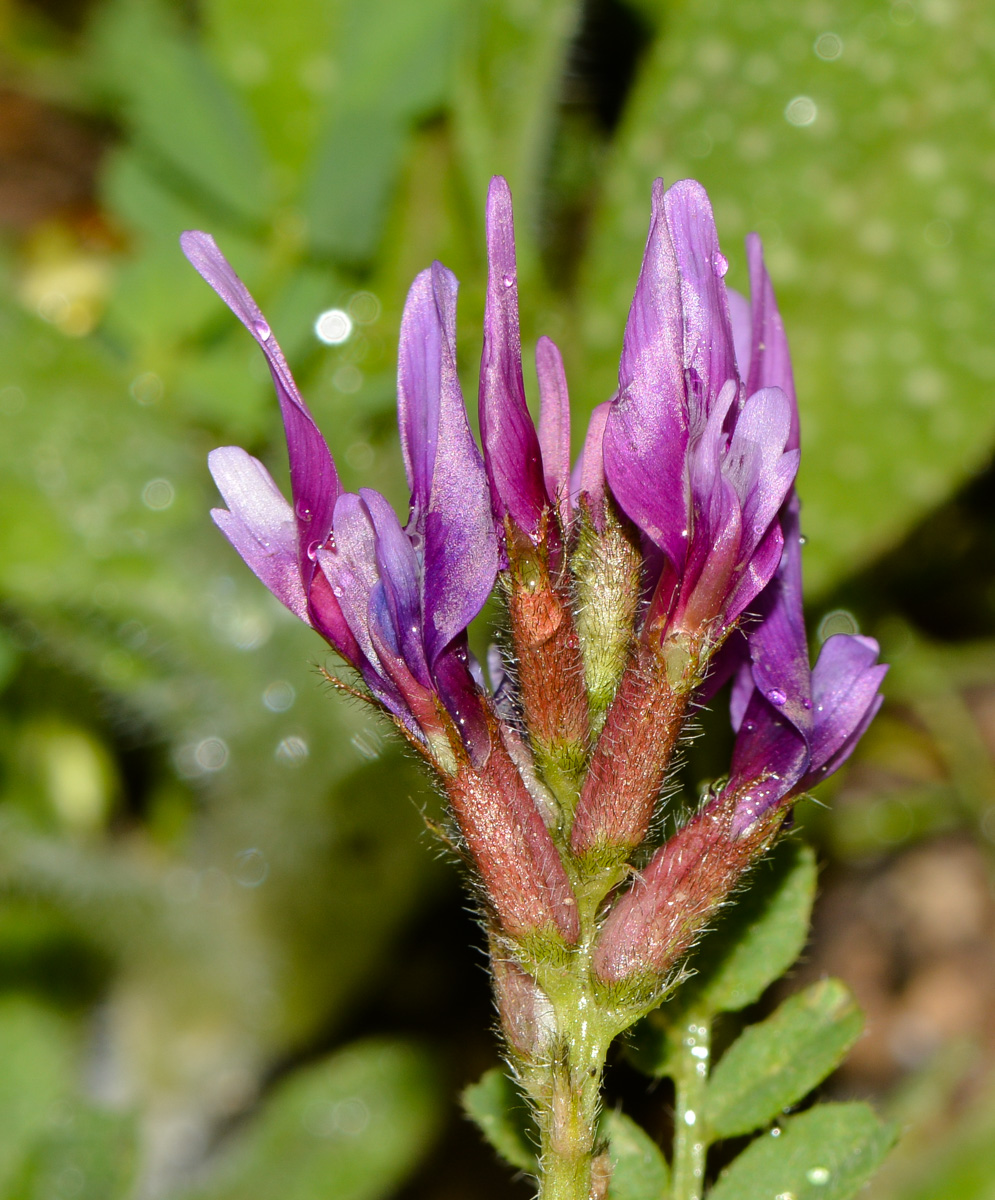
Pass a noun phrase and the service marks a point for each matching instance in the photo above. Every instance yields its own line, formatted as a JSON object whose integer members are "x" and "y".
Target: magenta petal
{"x": 646, "y": 435}
{"x": 770, "y": 360}
{"x": 709, "y": 357}
{"x": 449, "y": 493}
{"x": 554, "y": 425}
{"x": 511, "y": 447}
{"x": 757, "y": 465}
{"x": 768, "y": 760}
{"x": 313, "y": 478}
{"x": 259, "y": 523}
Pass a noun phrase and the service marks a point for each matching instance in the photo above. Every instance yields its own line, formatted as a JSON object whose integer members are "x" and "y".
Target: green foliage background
{"x": 206, "y": 864}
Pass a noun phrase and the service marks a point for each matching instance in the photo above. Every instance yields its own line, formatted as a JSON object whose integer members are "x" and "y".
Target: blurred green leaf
{"x": 495, "y": 1104}
{"x": 827, "y": 1153}
{"x": 36, "y": 1075}
{"x": 777, "y": 1062}
{"x": 89, "y": 1154}
{"x": 639, "y": 1170}
{"x": 845, "y": 136}
{"x": 180, "y": 110}
{"x": 395, "y": 62}
{"x": 352, "y": 1126}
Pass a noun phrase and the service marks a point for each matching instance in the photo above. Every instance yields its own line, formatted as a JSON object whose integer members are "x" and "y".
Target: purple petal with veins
{"x": 845, "y": 683}
{"x": 450, "y": 511}
{"x": 511, "y": 447}
{"x": 708, "y": 352}
{"x": 646, "y": 434}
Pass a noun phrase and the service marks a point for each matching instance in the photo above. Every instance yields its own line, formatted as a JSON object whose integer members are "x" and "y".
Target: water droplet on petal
{"x": 720, "y": 264}
{"x": 749, "y": 726}
{"x": 508, "y": 281}
{"x": 338, "y": 590}
{"x": 776, "y": 696}
{"x": 806, "y": 704}
{"x": 303, "y": 511}
{"x": 312, "y": 550}
{"x": 262, "y": 329}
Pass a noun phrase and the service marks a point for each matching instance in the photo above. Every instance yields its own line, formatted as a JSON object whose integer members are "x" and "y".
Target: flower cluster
{"x": 663, "y": 565}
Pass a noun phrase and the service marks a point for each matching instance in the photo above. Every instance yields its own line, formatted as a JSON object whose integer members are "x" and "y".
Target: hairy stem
{"x": 691, "y": 1078}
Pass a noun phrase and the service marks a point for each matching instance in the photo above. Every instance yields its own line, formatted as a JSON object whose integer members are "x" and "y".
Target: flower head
{"x": 699, "y": 461}
{"x": 394, "y": 601}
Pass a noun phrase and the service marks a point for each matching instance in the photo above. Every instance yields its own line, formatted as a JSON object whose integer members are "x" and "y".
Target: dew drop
{"x": 807, "y": 704}
{"x": 720, "y": 264}
{"x": 749, "y": 726}
{"x": 338, "y": 590}
{"x": 312, "y": 550}
{"x": 303, "y": 511}
{"x": 262, "y": 329}
{"x": 508, "y": 281}
{"x": 776, "y": 696}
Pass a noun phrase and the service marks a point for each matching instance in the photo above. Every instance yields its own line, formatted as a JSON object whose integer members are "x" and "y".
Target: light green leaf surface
{"x": 827, "y": 1153}
{"x": 499, "y": 1110}
{"x": 351, "y": 1127}
{"x": 182, "y": 112}
{"x": 639, "y": 1169}
{"x": 88, "y": 1154}
{"x": 849, "y": 136}
{"x": 777, "y": 1062}
{"x": 36, "y": 1076}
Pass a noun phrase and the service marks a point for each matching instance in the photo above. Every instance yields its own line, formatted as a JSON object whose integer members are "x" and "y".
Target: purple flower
{"x": 698, "y": 459}
{"x": 394, "y": 602}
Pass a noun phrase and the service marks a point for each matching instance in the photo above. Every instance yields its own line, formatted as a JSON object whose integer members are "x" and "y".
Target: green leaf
{"x": 498, "y": 1108}
{"x": 875, "y": 213}
{"x": 180, "y": 109}
{"x": 827, "y": 1153}
{"x": 89, "y": 1154}
{"x": 776, "y": 1063}
{"x": 353, "y": 1126}
{"x": 639, "y": 1170}
{"x": 761, "y": 935}
{"x": 35, "y": 1076}
{"x": 396, "y": 63}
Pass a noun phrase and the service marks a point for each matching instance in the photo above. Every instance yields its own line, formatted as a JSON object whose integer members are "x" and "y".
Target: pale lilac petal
{"x": 741, "y": 321}
{"x": 709, "y": 356}
{"x": 554, "y": 425}
{"x": 451, "y": 508}
{"x": 350, "y": 565}
{"x": 770, "y": 360}
{"x": 259, "y": 523}
{"x": 646, "y": 435}
{"x": 757, "y": 465}
{"x": 845, "y": 684}
{"x": 313, "y": 478}
{"x": 588, "y": 475}
{"x": 511, "y": 447}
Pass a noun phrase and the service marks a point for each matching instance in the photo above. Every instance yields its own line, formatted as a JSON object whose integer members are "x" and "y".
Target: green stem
{"x": 691, "y": 1078}
{"x": 568, "y": 1128}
